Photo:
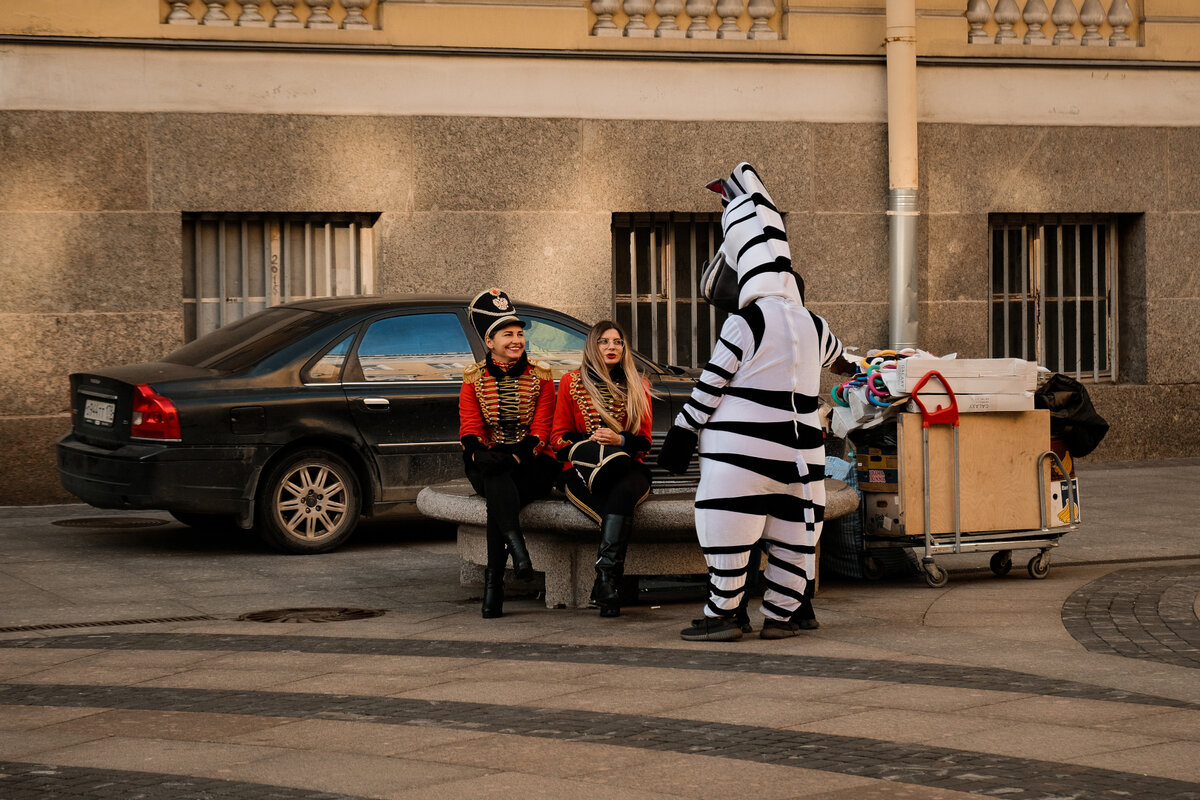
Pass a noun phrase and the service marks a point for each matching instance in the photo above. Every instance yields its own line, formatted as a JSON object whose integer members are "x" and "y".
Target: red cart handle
{"x": 939, "y": 416}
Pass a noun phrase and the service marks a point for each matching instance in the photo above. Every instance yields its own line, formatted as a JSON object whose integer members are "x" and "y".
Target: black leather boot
{"x": 493, "y": 573}
{"x": 522, "y": 565}
{"x": 610, "y": 563}
{"x": 493, "y": 592}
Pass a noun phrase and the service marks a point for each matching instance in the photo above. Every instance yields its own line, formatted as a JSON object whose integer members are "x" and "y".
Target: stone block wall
{"x": 91, "y": 204}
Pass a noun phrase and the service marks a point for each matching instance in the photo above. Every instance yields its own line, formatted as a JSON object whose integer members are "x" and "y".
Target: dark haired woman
{"x": 505, "y": 409}
{"x": 602, "y": 422}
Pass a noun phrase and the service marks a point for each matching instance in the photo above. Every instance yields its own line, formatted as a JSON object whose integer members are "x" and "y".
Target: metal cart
{"x": 1001, "y": 543}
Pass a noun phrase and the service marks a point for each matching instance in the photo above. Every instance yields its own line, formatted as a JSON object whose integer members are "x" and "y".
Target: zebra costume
{"x": 755, "y": 410}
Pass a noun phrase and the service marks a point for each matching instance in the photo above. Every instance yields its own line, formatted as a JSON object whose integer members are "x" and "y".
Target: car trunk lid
{"x": 102, "y": 401}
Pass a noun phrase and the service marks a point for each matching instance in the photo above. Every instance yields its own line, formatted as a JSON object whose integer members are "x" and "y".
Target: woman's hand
{"x": 606, "y": 436}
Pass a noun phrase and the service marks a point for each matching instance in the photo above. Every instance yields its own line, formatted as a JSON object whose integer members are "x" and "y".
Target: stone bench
{"x": 562, "y": 540}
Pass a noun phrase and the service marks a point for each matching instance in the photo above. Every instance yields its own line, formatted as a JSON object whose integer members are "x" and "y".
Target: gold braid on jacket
{"x": 613, "y": 405}
{"x": 508, "y": 404}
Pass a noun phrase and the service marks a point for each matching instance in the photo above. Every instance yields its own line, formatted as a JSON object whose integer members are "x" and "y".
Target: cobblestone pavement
{"x": 130, "y": 668}
{"x": 922, "y": 765}
{"x": 1148, "y": 613}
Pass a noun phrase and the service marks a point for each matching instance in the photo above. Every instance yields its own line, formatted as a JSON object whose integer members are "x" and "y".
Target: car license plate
{"x": 99, "y": 412}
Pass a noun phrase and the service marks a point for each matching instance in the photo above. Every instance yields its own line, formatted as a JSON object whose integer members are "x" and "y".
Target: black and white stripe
{"x": 755, "y": 408}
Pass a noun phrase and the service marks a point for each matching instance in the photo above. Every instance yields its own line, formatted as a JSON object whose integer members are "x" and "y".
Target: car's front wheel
{"x": 308, "y": 503}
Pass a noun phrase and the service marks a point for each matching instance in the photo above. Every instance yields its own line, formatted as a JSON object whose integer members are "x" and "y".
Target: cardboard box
{"x": 877, "y": 470}
{"x": 969, "y": 375}
{"x": 974, "y": 403}
{"x": 881, "y": 514}
{"x": 1057, "y": 513}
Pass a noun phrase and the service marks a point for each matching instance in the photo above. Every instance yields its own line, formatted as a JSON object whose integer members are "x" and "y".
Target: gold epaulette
{"x": 543, "y": 371}
{"x": 472, "y": 373}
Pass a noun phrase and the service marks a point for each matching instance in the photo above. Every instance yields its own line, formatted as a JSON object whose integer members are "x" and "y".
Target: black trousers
{"x": 619, "y": 495}
{"x": 509, "y": 491}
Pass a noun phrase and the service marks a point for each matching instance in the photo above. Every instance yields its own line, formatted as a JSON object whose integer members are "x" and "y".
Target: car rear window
{"x": 248, "y": 340}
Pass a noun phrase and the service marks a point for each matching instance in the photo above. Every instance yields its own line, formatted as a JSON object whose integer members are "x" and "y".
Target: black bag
{"x": 1072, "y": 416}
{"x": 591, "y": 460}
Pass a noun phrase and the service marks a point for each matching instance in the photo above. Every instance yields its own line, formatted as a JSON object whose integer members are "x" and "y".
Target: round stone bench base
{"x": 562, "y": 540}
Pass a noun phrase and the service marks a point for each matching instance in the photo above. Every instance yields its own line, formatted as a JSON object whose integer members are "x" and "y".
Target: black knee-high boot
{"x": 493, "y": 574}
{"x": 522, "y": 564}
{"x": 610, "y": 563}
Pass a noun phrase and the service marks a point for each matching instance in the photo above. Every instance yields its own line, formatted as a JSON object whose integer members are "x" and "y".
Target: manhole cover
{"x": 311, "y": 614}
{"x": 110, "y": 522}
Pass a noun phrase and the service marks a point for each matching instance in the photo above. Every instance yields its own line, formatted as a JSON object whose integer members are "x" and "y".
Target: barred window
{"x": 657, "y": 263}
{"x": 236, "y": 264}
{"x": 1054, "y": 300}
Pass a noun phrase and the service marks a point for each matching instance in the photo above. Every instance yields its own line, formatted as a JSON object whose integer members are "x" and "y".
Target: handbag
{"x": 591, "y": 459}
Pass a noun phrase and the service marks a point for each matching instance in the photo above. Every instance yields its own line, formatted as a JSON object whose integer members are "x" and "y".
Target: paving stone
{"x": 961, "y": 770}
{"x": 901, "y": 672}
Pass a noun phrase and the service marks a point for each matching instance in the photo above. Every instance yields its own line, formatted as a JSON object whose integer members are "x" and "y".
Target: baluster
{"x": 1006, "y": 15}
{"x": 1091, "y": 16}
{"x": 699, "y": 11}
{"x": 284, "y": 16}
{"x": 637, "y": 10}
{"x": 1064, "y": 16}
{"x": 250, "y": 16}
{"x": 729, "y": 11}
{"x": 1120, "y": 16}
{"x": 978, "y": 13}
{"x": 604, "y": 10}
{"x": 1035, "y": 17}
{"x": 667, "y": 11}
{"x": 760, "y": 12}
{"x": 319, "y": 14}
{"x": 354, "y": 15}
{"x": 216, "y": 15}
{"x": 179, "y": 14}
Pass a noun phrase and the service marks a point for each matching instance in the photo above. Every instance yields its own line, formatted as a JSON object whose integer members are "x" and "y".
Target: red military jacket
{"x": 575, "y": 413}
{"x": 483, "y": 394}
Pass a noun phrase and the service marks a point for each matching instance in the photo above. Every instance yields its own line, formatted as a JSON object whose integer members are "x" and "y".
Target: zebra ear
{"x": 718, "y": 186}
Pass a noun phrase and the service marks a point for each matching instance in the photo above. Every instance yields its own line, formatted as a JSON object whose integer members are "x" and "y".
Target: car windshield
{"x": 246, "y": 341}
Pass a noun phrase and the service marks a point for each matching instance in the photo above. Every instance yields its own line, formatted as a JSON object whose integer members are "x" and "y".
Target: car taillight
{"x": 154, "y": 416}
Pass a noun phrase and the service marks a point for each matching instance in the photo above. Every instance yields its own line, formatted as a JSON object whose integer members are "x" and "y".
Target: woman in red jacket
{"x": 505, "y": 410}
{"x": 602, "y": 422}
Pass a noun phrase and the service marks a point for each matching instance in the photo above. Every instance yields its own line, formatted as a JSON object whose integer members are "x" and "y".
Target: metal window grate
{"x": 236, "y": 264}
{"x": 657, "y": 262}
{"x": 1053, "y": 300}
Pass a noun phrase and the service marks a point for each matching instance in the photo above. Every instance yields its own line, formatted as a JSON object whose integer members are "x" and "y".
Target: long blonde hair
{"x": 637, "y": 404}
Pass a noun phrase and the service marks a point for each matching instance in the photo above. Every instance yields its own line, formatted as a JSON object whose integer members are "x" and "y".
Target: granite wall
{"x": 90, "y": 208}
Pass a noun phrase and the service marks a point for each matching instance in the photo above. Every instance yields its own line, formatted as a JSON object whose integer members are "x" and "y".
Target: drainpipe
{"x": 901, "y": 43}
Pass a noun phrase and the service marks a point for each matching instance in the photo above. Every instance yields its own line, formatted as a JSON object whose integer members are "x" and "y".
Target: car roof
{"x": 381, "y": 302}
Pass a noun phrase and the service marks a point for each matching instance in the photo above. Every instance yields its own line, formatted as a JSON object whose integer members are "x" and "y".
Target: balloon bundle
{"x": 871, "y": 370}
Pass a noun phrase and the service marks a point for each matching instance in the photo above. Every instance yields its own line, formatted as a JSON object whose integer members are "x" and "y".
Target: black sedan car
{"x": 297, "y": 420}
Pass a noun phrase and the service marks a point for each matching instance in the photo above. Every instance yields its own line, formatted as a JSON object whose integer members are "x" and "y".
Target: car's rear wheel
{"x": 308, "y": 503}
{"x": 205, "y": 522}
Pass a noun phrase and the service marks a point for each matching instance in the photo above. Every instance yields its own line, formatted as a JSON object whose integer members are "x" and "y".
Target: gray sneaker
{"x": 778, "y": 629}
{"x": 711, "y": 629}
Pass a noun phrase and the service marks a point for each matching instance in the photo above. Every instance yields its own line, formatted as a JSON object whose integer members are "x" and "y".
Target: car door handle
{"x": 376, "y": 403}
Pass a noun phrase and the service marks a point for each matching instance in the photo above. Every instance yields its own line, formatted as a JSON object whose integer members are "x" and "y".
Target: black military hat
{"x": 492, "y": 310}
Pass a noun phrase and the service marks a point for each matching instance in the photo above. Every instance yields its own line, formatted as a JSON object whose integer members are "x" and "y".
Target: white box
{"x": 968, "y": 375}
{"x": 1057, "y": 513}
{"x": 975, "y": 403}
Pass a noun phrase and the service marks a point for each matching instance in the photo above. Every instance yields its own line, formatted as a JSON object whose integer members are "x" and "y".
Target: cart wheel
{"x": 1039, "y": 566}
{"x": 1001, "y": 562}
{"x": 872, "y": 570}
{"x": 935, "y": 576}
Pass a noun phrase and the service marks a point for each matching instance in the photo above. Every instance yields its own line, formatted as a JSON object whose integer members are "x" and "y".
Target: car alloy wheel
{"x": 309, "y": 503}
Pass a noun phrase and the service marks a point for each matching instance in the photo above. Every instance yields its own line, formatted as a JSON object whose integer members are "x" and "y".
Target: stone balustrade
{"x": 279, "y": 14}
{"x": 1065, "y": 23}
{"x": 692, "y": 19}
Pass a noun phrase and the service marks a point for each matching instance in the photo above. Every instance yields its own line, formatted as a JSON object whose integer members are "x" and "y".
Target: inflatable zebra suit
{"x": 754, "y": 410}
